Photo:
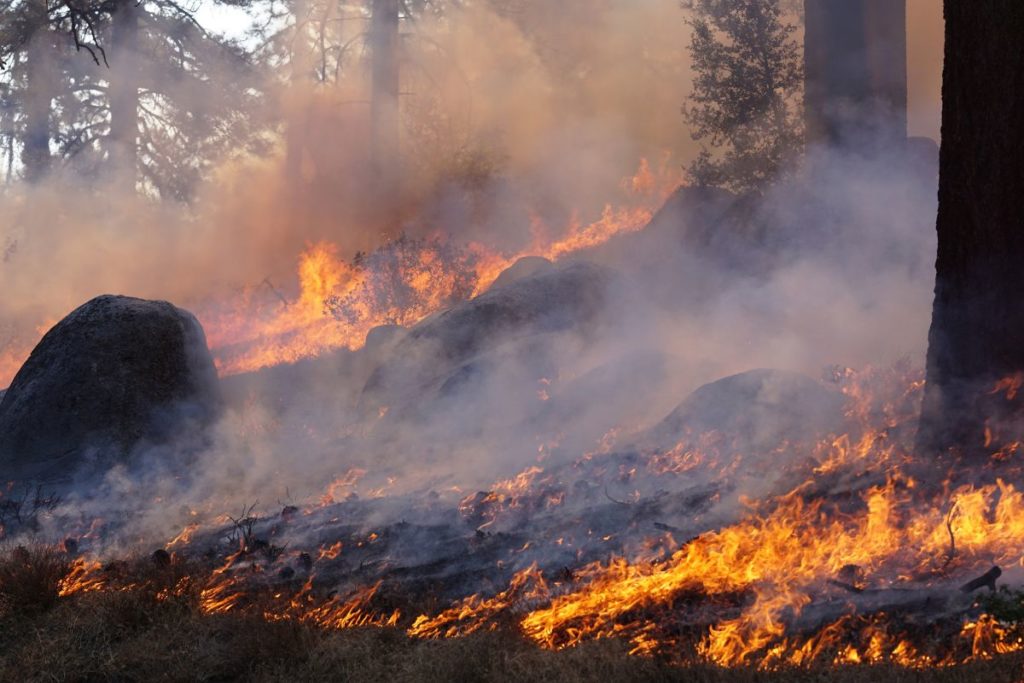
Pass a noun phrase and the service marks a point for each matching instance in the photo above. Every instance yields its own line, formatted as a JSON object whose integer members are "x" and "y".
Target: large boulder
{"x": 444, "y": 352}
{"x": 526, "y": 267}
{"x": 116, "y": 371}
{"x": 565, "y": 298}
{"x": 758, "y": 410}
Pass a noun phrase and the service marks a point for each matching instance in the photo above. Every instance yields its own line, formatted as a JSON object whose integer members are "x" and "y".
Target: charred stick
{"x": 986, "y": 579}
{"x": 276, "y": 291}
{"x": 609, "y": 497}
{"x": 952, "y": 539}
{"x": 849, "y": 587}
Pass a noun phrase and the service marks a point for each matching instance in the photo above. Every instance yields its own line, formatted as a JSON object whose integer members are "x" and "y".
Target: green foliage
{"x": 744, "y": 106}
{"x": 1005, "y": 605}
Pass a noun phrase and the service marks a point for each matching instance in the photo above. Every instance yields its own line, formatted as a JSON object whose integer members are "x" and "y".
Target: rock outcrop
{"x": 759, "y": 408}
{"x": 526, "y": 267}
{"x": 448, "y": 349}
{"x": 115, "y": 372}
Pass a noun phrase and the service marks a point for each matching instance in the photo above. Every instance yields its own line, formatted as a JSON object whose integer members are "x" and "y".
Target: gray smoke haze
{"x": 556, "y": 104}
{"x": 844, "y": 279}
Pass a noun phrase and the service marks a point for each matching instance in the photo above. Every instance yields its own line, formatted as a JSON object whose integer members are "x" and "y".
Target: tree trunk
{"x": 124, "y": 92}
{"x": 855, "y": 70}
{"x": 41, "y": 82}
{"x": 977, "y": 331}
{"x": 384, "y": 121}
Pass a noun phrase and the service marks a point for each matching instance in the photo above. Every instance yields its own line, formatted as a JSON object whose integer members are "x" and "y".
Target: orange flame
{"x": 475, "y": 612}
{"x": 84, "y": 576}
{"x": 339, "y": 302}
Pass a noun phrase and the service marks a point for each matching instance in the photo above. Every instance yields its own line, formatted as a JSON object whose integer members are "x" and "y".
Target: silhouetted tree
{"x": 977, "y": 332}
{"x": 158, "y": 99}
{"x": 36, "y": 40}
{"x": 745, "y": 101}
{"x": 385, "y": 51}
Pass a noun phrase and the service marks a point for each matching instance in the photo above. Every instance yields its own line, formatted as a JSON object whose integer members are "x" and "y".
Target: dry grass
{"x": 137, "y": 636}
{"x": 30, "y": 579}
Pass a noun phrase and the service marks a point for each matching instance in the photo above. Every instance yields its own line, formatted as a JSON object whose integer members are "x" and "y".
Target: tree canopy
{"x": 745, "y": 104}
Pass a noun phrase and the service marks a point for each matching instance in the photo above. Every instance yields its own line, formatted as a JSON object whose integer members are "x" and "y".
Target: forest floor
{"x": 142, "y": 635}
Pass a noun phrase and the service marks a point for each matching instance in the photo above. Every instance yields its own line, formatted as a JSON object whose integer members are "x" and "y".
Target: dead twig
{"x": 849, "y": 587}
{"x": 243, "y": 528}
{"x": 276, "y": 291}
{"x": 952, "y": 539}
{"x": 609, "y": 497}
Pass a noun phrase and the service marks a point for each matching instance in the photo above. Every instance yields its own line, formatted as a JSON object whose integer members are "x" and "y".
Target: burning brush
{"x": 857, "y": 561}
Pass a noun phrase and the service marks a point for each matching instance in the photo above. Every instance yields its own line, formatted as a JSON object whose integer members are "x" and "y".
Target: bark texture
{"x": 977, "y": 331}
{"x": 855, "y": 66}
{"x": 384, "y": 41}
{"x": 124, "y": 92}
{"x": 41, "y": 78}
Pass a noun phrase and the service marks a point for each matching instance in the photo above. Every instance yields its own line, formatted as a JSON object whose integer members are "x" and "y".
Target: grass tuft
{"x": 30, "y": 579}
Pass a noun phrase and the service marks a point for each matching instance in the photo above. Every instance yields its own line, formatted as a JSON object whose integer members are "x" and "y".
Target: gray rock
{"x": 758, "y": 408}
{"x": 382, "y": 338}
{"x": 562, "y": 299}
{"x": 569, "y": 298}
{"x": 526, "y": 267}
{"x": 116, "y": 371}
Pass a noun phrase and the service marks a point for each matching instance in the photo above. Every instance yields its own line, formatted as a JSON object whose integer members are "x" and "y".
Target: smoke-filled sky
{"x": 549, "y": 106}
{"x": 924, "y": 66}
{"x": 515, "y": 123}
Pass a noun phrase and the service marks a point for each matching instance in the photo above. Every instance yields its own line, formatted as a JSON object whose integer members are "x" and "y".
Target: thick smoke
{"x": 502, "y": 120}
{"x": 845, "y": 279}
{"x": 509, "y": 115}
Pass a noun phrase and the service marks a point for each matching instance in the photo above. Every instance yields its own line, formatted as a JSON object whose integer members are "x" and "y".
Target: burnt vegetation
{"x": 499, "y": 479}
{"x": 157, "y": 631}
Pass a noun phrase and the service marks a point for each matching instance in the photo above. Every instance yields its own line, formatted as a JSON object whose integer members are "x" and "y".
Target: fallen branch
{"x": 845, "y": 586}
{"x": 609, "y": 497}
{"x": 276, "y": 291}
{"x": 986, "y": 579}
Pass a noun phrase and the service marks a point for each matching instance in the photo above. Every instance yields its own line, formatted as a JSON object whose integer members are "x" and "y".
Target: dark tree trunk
{"x": 855, "y": 66}
{"x": 384, "y": 121}
{"x": 41, "y": 82}
{"x": 124, "y": 92}
{"x": 977, "y": 332}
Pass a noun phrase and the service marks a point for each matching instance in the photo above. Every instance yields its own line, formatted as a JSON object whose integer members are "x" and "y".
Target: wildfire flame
{"x": 771, "y": 565}
{"x": 84, "y": 576}
{"x": 732, "y": 596}
{"x": 475, "y": 613}
{"x": 229, "y": 588}
{"x": 340, "y": 301}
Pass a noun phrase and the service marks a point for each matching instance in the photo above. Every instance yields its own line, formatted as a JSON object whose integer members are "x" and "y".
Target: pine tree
{"x": 745, "y": 102}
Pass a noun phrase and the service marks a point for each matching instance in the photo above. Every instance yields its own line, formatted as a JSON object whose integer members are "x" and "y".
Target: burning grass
{"x": 402, "y": 282}
{"x": 858, "y": 568}
{"x": 148, "y": 633}
{"x": 31, "y": 579}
